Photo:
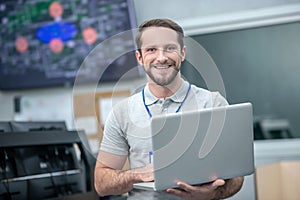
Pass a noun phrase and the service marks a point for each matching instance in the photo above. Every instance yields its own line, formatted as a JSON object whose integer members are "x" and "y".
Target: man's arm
{"x": 231, "y": 187}
{"x": 111, "y": 180}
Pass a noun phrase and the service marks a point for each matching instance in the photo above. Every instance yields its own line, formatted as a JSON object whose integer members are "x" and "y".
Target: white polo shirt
{"x": 127, "y": 129}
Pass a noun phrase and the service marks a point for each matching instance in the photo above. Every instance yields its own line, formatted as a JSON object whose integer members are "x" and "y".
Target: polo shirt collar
{"x": 178, "y": 97}
{"x": 149, "y": 97}
{"x": 180, "y": 94}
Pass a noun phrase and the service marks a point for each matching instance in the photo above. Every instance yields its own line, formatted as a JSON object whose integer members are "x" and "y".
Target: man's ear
{"x": 183, "y": 51}
{"x": 139, "y": 57}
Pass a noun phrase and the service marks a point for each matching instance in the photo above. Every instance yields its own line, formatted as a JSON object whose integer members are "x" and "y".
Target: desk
{"x": 267, "y": 152}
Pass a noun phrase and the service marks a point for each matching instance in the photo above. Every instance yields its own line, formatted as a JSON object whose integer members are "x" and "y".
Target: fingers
{"x": 218, "y": 183}
{"x": 187, "y": 190}
{"x": 213, "y": 185}
{"x": 186, "y": 187}
{"x": 208, "y": 186}
{"x": 144, "y": 174}
{"x": 177, "y": 192}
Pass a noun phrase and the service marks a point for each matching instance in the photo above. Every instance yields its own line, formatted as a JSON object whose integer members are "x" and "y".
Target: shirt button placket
{"x": 165, "y": 106}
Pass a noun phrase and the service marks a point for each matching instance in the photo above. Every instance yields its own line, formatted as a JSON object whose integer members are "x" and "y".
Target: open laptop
{"x": 200, "y": 146}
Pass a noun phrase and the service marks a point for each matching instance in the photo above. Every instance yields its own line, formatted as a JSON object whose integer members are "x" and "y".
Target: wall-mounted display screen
{"x": 44, "y": 42}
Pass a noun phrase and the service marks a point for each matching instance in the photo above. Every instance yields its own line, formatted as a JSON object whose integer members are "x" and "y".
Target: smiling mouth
{"x": 162, "y": 66}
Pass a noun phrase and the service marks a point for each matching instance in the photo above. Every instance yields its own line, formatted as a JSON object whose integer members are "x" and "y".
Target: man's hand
{"x": 145, "y": 174}
{"x": 199, "y": 192}
{"x": 112, "y": 180}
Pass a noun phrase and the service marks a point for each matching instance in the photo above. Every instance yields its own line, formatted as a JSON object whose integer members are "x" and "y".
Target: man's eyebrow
{"x": 172, "y": 44}
{"x": 164, "y": 45}
{"x": 150, "y": 45}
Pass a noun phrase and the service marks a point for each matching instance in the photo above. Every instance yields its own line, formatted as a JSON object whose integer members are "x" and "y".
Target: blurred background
{"x": 46, "y": 45}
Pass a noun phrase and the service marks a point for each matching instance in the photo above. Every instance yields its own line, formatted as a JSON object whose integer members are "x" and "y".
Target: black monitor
{"x": 44, "y": 42}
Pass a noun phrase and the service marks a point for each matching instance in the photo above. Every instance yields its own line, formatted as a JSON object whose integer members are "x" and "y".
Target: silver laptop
{"x": 200, "y": 146}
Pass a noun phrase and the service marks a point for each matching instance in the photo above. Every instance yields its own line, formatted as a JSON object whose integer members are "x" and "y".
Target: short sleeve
{"x": 218, "y": 100}
{"x": 113, "y": 140}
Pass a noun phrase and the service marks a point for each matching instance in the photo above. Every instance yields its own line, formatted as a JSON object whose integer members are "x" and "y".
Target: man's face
{"x": 161, "y": 54}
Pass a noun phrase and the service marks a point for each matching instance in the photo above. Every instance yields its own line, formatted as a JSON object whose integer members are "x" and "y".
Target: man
{"x": 127, "y": 132}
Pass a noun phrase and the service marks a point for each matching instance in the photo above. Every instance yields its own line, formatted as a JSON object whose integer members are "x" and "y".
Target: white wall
{"x": 191, "y": 9}
{"x": 218, "y": 15}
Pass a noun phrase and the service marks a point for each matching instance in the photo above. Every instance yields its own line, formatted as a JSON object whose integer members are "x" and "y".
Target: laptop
{"x": 201, "y": 146}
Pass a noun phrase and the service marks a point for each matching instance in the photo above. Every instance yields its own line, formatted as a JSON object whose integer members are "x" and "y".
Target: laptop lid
{"x": 200, "y": 146}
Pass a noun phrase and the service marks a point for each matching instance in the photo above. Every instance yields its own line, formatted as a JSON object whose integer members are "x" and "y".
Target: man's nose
{"x": 161, "y": 57}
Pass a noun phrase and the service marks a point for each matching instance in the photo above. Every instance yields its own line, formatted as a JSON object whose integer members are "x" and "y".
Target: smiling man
{"x": 127, "y": 132}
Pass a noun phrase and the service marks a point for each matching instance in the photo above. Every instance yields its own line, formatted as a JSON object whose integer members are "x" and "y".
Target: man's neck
{"x": 164, "y": 91}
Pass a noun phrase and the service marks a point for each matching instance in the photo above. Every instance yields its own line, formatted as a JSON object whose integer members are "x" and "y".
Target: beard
{"x": 163, "y": 80}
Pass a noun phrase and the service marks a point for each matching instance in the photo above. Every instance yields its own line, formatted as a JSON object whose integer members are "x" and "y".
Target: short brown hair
{"x": 162, "y": 22}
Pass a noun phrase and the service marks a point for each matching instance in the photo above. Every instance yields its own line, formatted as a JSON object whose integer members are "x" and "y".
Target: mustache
{"x": 173, "y": 63}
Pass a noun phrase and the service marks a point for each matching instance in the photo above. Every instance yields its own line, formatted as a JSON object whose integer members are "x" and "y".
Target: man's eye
{"x": 171, "y": 48}
{"x": 151, "y": 50}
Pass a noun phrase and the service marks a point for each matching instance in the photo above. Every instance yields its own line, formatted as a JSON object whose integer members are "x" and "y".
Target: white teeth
{"x": 162, "y": 67}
